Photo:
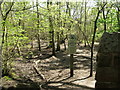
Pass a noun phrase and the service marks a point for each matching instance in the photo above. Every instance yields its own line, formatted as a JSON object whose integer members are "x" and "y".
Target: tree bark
{"x": 104, "y": 17}
{"x": 59, "y": 25}
{"x": 118, "y": 18}
{"x": 93, "y": 39}
{"x": 85, "y": 23}
{"x": 58, "y": 42}
{"x": 38, "y": 22}
{"x": 71, "y": 65}
{"x": 51, "y": 29}
{"x": 4, "y": 15}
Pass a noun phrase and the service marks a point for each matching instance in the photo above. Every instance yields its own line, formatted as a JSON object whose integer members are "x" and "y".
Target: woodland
{"x": 34, "y": 42}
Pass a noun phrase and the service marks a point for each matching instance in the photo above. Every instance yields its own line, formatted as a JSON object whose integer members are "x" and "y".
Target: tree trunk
{"x": 105, "y": 26}
{"x": 93, "y": 39}
{"x": 71, "y": 65}
{"x": 85, "y": 23}
{"x": 51, "y": 29}
{"x": 118, "y": 18}
{"x": 38, "y": 38}
{"x": 3, "y": 34}
{"x": 58, "y": 42}
{"x": 5, "y": 69}
{"x": 4, "y": 17}
{"x": 38, "y": 22}
{"x": 80, "y": 20}
{"x": 53, "y": 43}
{"x": 59, "y": 25}
{"x": 18, "y": 50}
{"x": 31, "y": 42}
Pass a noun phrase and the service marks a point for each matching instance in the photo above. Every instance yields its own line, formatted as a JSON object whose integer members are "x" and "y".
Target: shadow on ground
{"x": 63, "y": 60}
{"x": 60, "y": 63}
{"x": 50, "y": 85}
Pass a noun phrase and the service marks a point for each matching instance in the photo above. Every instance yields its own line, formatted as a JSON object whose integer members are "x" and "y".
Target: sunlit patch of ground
{"x": 56, "y": 71}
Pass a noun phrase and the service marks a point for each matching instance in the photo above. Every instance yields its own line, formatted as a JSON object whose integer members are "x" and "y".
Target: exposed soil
{"x": 54, "y": 71}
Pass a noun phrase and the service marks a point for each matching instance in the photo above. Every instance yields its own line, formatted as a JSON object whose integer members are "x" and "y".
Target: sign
{"x": 72, "y": 44}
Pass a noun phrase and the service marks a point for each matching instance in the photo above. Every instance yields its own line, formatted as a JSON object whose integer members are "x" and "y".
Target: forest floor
{"x": 42, "y": 72}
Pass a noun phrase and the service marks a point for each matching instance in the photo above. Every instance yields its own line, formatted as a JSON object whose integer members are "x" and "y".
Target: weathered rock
{"x": 110, "y": 42}
{"x": 104, "y": 60}
{"x": 108, "y": 61}
{"x": 105, "y": 85}
{"x": 107, "y": 74}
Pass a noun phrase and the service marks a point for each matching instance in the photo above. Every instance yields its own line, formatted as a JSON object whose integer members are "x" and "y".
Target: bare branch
{"x": 6, "y": 14}
{"x": 109, "y": 10}
{"x": 23, "y": 9}
{"x": 100, "y": 11}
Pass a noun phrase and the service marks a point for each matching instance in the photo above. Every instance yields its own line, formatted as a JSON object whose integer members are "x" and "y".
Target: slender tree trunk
{"x": 53, "y": 44}
{"x": 68, "y": 11}
{"x": 6, "y": 40}
{"x": 118, "y": 18}
{"x": 3, "y": 34}
{"x": 71, "y": 65}
{"x": 58, "y": 42}
{"x": 50, "y": 32}
{"x": 59, "y": 25}
{"x": 38, "y": 22}
{"x": 105, "y": 25}
{"x": 39, "y": 46}
{"x": 80, "y": 20}
{"x": 85, "y": 23}
{"x": 93, "y": 39}
{"x": 51, "y": 29}
{"x": 18, "y": 48}
{"x": 32, "y": 45}
{"x": 23, "y": 23}
{"x": 4, "y": 17}
{"x": 5, "y": 70}
{"x": 0, "y": 48}
{"x": 64, "y": 45}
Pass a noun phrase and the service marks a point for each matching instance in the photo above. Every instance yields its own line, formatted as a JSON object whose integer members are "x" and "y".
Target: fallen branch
{"x": 39, "y": 73}
{"x": 44, "y": 83}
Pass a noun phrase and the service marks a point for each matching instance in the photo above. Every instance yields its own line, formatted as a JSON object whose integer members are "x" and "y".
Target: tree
{"x": 38, "y": 23}
{"x": 51, "y": 27}
{"x": 93, "y": 39}
{"x": 85, "y": 20}
{"x": 4, "y": 14}
{"x": 118, "y": 14}
{"x": 59, "y": 25}
{"x": 4, "y": 17}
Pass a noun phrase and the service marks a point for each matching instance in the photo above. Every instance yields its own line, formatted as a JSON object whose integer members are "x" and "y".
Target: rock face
{"x": 108, "y": 61}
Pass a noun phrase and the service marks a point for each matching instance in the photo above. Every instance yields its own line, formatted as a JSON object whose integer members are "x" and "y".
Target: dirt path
{"x": 55, "y": 70}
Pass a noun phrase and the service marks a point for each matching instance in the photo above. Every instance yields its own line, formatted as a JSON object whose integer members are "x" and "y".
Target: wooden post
{"x": 71, "y": 50}
{"x": 71, "y": 65}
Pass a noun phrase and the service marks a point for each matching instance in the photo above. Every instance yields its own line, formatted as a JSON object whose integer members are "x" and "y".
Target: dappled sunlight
{"x": 52, "y": 45}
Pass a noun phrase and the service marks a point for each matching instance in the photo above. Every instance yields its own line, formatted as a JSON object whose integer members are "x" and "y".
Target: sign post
{"x": 71, "y": 50}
